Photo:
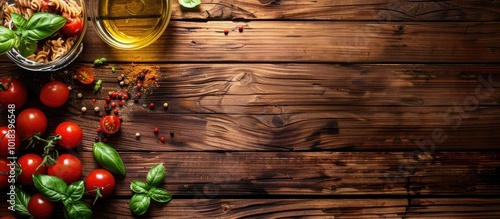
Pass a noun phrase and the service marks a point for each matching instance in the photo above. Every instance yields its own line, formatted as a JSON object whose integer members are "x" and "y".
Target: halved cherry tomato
{"x": 72, "y": 27}
{"x": 102, "y": 180}
{"x": 85, "y": 75}
{"x": 71, "y": 134}
{"x": 40, "y": 207}
{"x": 54, "y": 94}
{"x": 16, "y": 93}
{"x": 29, "y": 165}
{"x": 68, "y": 167}
{"x": 31, "y": 121}
{"x": 110, "y": 124}
{"x": 8, "y": 137}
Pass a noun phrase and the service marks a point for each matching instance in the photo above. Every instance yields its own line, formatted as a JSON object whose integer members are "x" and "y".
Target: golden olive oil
{"x": 133, "y": 23}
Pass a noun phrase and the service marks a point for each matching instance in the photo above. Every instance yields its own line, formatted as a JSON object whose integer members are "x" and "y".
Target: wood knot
{"x": 277, "y": 121}
{"x": 266, "y": 2}
{"x": 225, "y": 208}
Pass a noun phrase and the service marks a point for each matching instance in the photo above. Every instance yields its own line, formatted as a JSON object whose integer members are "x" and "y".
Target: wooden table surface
{"x": 320, "y": 109}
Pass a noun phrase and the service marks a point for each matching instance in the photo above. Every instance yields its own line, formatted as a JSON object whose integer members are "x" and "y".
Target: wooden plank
{"x": 299, "y": 41}
{"x": 214, "y": 174}
{"x": 454, "y": 208}
{"x": 370, "y": 10}
{"x": 252, "y": 208}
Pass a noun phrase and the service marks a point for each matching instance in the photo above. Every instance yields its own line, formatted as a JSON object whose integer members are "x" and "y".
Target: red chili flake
{"x": 156, "y": 130}
{"x": 99, "y": 130}
{"x": 120, "y": 103}
{"x": 115, "y": 111}
{"x": 152, "y": 105}
{"x": 107, "y": 99}
{"x": 240, "y": 28}
{"x": 104, "y": 139}
{"x": 94, "y": 100}
{"x": 226, "y": 31}
{"x": 162, "y": 139}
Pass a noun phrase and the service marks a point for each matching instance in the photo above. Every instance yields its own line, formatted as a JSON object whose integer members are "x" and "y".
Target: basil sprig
{"x": 55, "y": 189}
{"x": 28, "y": 31}
{"x": 189, "y": 3}
{"x": 145, "y": 191}
{"x": 108, "y": 158}
{"x": 21, "y": 202}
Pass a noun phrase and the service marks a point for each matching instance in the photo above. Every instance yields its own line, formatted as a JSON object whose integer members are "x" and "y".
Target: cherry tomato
{"x": 16, "y": 93}
{"x": 71, "y": 134}
{"x": 100, "y": 179}
{"x": 85, "y": 75}
{"x": 31, "y": 121}
{"x": 7, "y": 137}
{"x": 40, "y": 207}
{"x": 68, "y": 168}
{"x": 29, "y": 164}
{"x": 110, "y": 124}
{"x": 4, "y": 173}
{"x": 72, "y": 27}
{"x": 54, "y": 94}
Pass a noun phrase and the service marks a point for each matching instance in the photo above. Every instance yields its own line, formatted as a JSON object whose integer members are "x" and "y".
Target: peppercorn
{"x": 226, "y": 31}
{"x": 162, "y": 139}
{"x": 113, "y": 104}
{"x": 120, "y": 103}
{"x": 115, "y": 111}
{"x": 240, "y": 28}
{"x": 171, "y": 134}
{"x": 136, "y": 99}
{"x": 156, "y": 130}
{"x": 151, "y": 105}
{"x": 138, "y": 95}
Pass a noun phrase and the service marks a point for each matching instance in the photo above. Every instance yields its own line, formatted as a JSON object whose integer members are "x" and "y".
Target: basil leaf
{"x": 160, "y": 195}
{"x": 8, "y": 40}
{"x": 156, "y": 175}
{"x": 42, "y": 24}
{"x": 19, "y": 20}
{"x": 75, "y": 190}
{"x": 139, "y": 204}
{"x": 139, "y": 187}
{"x": 189, "y": 3}
{"x": 78, "y": 210}
{"x": 27, "y": 47}
{"x": 108, "y": 158}
{"x": 22, "y": 199}
{"x": 50, "y": 186}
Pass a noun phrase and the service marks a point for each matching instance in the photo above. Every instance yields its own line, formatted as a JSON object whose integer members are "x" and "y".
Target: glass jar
{"x": 130, "y": 24}
{"x": 62, "y": 61}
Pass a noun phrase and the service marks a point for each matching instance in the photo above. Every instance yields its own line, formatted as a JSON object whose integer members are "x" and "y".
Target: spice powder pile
{"x": 142, "y": 77}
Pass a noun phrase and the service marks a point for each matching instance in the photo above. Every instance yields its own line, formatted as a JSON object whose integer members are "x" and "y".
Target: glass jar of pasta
{"x": 58, "y": 49}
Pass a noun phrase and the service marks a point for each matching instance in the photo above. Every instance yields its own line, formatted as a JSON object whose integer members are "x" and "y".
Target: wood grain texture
{"x": 370, "y": 10}
{"x": 325, "y": 174}
{"x": 322, "y": 41}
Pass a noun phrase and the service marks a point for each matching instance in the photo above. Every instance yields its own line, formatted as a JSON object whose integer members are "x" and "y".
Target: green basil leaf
{"x": 78, "y": 210}
{"x": 50, "y": 186}
{"x": 19, "y": 20}
{"x": 42, "y": 25}
{"x": 22, "y": 199}
{"x": 8, "y": 40}
{"x": 156, "y": 175}
{"x": 75, "y": 190}
{"x": 108, "y": 158}
{"x": 139, "y": 187}
{"x": 189, "y": 3}
{"x": 160, "y": 195}
{"x": 139, "y": 204}
{"x": 27, "y": 47}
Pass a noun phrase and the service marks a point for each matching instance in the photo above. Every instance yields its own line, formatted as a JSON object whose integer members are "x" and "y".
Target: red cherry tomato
{"x": 54, "y": 94}
{"x": 8, "y": 137}
{"x": 85, "y": 75}
{"x": 29, "y": 164}
{"x": 68, "y": 168}
{"x": 40, "y": 207}
{"x": 4, "y": 173}
{"x": 100, "y": 179}
{"x": 71, "y": 134}
{"x": 72, "y": 27}
{"x": 31, "y": 121}
{"x": 16, "y": 93}
{"x": 110, "y": 124}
